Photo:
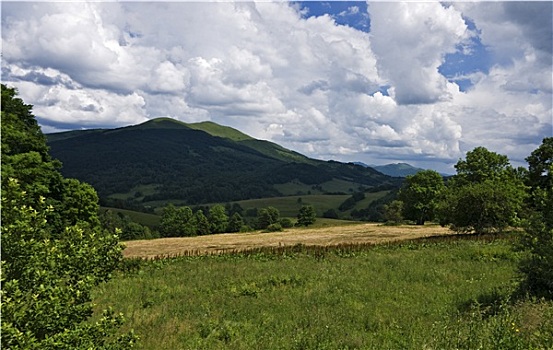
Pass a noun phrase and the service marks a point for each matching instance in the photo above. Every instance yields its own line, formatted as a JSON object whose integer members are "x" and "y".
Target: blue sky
{"x": 350, "y": 13}
{"x": 376, "y": 82}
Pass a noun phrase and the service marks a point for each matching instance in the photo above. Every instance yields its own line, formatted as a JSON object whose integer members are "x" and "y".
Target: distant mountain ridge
{"x": 165, "y": 159}
{"x": 396, "y": 169}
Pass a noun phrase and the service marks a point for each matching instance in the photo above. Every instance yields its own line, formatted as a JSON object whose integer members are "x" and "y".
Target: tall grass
{"x": 416, "y": 295}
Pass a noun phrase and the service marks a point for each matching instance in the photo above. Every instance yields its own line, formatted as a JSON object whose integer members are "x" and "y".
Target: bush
{"x": 286, "y": 223}
{"x": 277, "y": 227}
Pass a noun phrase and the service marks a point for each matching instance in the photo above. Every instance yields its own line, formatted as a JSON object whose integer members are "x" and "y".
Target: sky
{"x": 376, "y": 82}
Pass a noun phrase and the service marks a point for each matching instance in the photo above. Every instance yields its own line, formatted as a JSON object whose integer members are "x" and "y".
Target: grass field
{"x": 289, "y": 206}
{"x": 433, "y": 294}
{"x": 137, "y": 192}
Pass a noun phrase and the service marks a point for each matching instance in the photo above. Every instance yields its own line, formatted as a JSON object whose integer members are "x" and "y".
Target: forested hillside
{"x": 196, "y": 163}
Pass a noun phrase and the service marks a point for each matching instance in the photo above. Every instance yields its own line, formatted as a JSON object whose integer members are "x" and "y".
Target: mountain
{"x": 165, "y": 159}
{"x": 397, "y": 169}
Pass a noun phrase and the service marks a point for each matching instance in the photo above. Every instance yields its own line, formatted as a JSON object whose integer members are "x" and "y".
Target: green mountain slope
{"x": 195, "y": 163}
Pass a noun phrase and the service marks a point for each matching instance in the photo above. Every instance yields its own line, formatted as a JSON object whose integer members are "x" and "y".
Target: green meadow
{"x": 289, "y": 205}
{"x": 446, "y": 293}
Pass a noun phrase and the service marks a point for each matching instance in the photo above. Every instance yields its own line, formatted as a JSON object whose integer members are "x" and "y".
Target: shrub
{"x": 286, "y": 223}
{"x": 276, "y": 227}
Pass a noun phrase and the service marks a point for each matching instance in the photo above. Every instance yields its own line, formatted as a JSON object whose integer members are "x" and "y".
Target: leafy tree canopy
{"x": 420, "y": 195}
{"x": 53, "y": 249}
{"x": 480, "y": 165}
{"x": 306, "y": 216}
{"x": 267, "y": 216}
{"x": 487, "y": 194}
{"x": 537, "y": 265}
{"x": 539, "y": 165}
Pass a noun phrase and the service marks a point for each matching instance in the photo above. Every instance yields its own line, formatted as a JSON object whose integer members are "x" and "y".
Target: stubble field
{"x": 328, "y": 236}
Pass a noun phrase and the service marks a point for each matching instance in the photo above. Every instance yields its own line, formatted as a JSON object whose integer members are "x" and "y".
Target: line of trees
{"x": 184, "y": 222}
{"x": 486, "y": 195}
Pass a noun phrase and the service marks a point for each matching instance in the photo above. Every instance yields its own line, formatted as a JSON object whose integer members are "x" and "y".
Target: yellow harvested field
{"x": 327, "y": 236}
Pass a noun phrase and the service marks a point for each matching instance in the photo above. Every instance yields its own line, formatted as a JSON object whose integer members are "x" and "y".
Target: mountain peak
{"x": 162, "y": 123}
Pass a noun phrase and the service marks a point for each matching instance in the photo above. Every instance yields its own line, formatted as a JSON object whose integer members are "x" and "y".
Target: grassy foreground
{"x": 451, "y": 294}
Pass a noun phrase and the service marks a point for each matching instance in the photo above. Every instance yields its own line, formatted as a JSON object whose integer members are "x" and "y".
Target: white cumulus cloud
{"x": 326, "y": 90}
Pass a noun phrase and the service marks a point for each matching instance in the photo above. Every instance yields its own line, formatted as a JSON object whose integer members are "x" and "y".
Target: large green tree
{"x": 420, "y": 195}
{"x": 539, "y": 166}
{"x": 52, "y": 247}
{"x": 537, "y": 265}
{"x": 267, "y": 216}
{"x": 201, "y": 223}
{"x": 218, "y": 219}
{"x": 236, "y": 222}
{"x": 487, "y": 194}
{"x": 306, "y": 216}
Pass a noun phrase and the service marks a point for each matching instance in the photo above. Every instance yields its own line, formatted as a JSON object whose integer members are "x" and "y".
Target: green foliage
{"x": 420, "y": 194}
{"x": 350, "y": 202}
{"x": 235, "y": 223}
{"x": 330, "y": 214}
{"x": 21, "y": 133}
{"x": 487, "y": 195}
{"x": 306, "y": 216}
{"x": 276, "y": 227}
{"x": 539, "y": 165}
{"x": 537, "y": 267}
{"x": 218, "y": 219}
{"x": 53, "y": 250}
{"x": 202, "y": 224}
{"x": 177, "y": 222}
{"x": 128, "y": 229}
{"x": 266, "y": 217}
{"x": 486, "y": 207}
{"x": 375, "y": 210}
{"x": 481, "y": 165}
{"x": 286, "y": 223}
{"x": 393, "y": 212}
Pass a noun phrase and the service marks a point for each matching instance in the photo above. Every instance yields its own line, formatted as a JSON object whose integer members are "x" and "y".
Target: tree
{"x": 487, "y": 194}
{"x": 306, "y": 216}
{"x": 201, "y": 223}
{"x": 128, "y": 229}
{"x": 177, "y": 222}
{"x": 266, "y": 217}
{"x": 537, "y": 265}
{"x": 330, "y": 214}
{"x": 235, "y": 223}
{"x": 420, "y": 194}
{"x": 351, "y": 201}
{"x": 218, "y": 219}
{"x": 539, "y": 165}
{"x": 393, "y": 212}
{"x": 481, "y": 165}
{"x": 53, "y": 249}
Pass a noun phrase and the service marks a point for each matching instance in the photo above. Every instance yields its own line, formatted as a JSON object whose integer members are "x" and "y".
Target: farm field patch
{"x": 325, "y": 236}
